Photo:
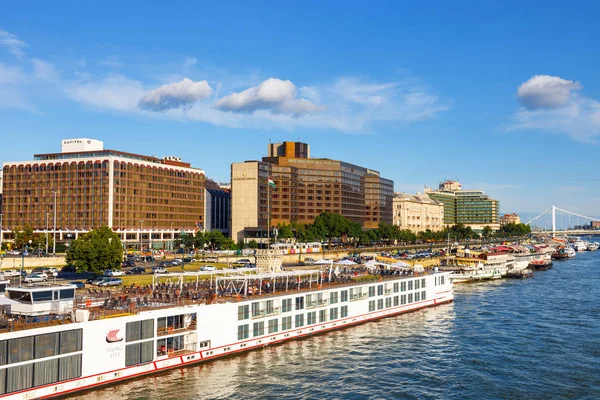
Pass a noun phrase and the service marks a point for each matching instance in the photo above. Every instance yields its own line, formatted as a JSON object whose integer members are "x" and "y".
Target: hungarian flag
{"x": 272, "y": 184}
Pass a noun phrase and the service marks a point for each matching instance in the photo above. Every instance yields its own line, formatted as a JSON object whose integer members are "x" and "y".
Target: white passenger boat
{"x": 470, "y": 269}
{"x": 593, "y": 246}
{"x": 54, "y": 342}
{"x": 580, "y": 245}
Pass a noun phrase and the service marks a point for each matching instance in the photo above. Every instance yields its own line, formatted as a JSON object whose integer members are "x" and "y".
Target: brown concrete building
{"x": 85, "y": 186}
{"x": 510, "y": 219}
{"x": 305, "y": 187}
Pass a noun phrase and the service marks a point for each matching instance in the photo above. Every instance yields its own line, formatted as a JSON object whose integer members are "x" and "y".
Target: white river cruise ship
{"x": 56, "y": 341}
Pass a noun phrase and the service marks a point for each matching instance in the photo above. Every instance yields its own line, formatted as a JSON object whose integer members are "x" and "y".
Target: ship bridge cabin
{"x": 41, "y": 300}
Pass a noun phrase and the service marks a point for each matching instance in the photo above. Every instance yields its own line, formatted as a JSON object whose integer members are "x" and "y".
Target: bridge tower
{"x": 553, "y": 221}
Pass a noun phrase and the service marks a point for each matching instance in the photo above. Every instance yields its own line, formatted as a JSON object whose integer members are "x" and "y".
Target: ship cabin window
{"x": 273, "y": 325}
{"x": 286, "y": 305}
{"x": 333, "y": 297}
{"x": 258, "y": 329}
{"x": 243, "y": 312}
{"x": 299, "y": 320}
{"x": 379, "y": 290}
{"x": 403, "y": 299}
{"x": 423, "y": 283}
{"x": 243, "y": 332}
{"x": 344, "y": 296}
{"x": 380, "y": 304}
{"x": 410, "y": 298}
{"x": 417, "y": 296}
{"x": 403, "y": 286}
{"x": 333, "y": 313}
{"x": 139, "y": 330}
{"x": 322, "y": 315}
{"x": 372, "y": 305}
{"x": 21, "y": 297}
{"x": 442, "y": 280}
{"x": 410, "y": 285}
{"x": 171, "y": 344}
{"x": 396, "y": 301}
{"x": 255, "y": 309}
{"x": 300, "y": 303}
{"x": 311, "y": 318}
{"x": 388, "y": 302}
{"x": 371, "y": 291}
{"x": 343, "y": 311}
{"x": 423, "y": 295}
{"x": 286, "y": 323}
{"x": 417, "y": 284}
{"x": 167, "y": 325}
{"x": 139, "y": 353}
{"x": 396, "y": 287}
{"x": 205, "y": 344}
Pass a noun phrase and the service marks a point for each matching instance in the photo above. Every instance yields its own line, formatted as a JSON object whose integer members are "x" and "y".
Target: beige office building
{"x": 418, "y": 212}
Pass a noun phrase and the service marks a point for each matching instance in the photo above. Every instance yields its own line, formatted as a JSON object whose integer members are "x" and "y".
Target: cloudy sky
{"x": 503, "y": 96}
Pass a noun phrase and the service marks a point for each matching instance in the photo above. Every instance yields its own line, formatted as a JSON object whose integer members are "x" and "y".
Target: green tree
{"x": 253, "y": 244}
{"x": 487, "y": 231}
{"x": 96, "y": 251}
{"x": 22, "y": 235}
{"x": 284, "y": 231}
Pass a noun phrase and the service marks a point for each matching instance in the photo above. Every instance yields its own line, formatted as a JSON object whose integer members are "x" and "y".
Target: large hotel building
{"x": 143, "y": 198}
{"x": 305, "y": 187}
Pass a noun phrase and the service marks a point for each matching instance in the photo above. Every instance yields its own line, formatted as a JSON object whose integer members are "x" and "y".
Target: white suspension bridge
{"x": 577, "y": 228}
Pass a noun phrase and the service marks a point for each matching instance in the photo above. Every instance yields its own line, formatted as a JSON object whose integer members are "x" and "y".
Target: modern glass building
{"x": 472, "y": 208}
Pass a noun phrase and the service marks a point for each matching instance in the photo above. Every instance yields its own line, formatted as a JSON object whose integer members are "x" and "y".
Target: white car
{"x": 159, "y": 270}
{"x": 208, "y": 268}
{"x": 10, "y": 272}
{"x": 113, "y": 272}
{"x": 35, "y": 278}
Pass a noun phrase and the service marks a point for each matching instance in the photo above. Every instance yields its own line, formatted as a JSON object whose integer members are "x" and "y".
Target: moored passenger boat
{"x": 54, "y": 342}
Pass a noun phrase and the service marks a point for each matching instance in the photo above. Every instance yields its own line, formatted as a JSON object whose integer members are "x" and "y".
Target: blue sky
{"x": 503, "y": 96}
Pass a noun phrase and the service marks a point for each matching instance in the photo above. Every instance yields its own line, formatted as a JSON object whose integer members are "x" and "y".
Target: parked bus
{"x": 297, "y": 248}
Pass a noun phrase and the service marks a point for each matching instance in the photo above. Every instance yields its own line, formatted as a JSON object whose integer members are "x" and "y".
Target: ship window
{"x": 299, "y": 320}
{"x": 21, "y": 297}
{"x": 322, "y": 315}
{"x": 3, "y": 345}
{"x": 20, "y": 349}
{"x": 255, "y": 309}
{"x": 403, "y": 299}
{"x": 333, "y": 297}
{"x": 333, "y": 313}
{"x": 273, "y": 325}
{"x": 67, "y": 294}
{"x": 410, "y": 285}
{"x": 371, "y": 291}
{"x": 423, "y": 295}
{"x": 300, "y": 303}
{"x": 139, "y": 330}
{"x": 372, "y": 305}
{"x": 344, "y": 296}
{"x": 42, "y": 296}
{"x": 19, "y": 378}
{"x": 396, "y": 301}
{"x": 442, "y": 280}
{"x": 243, "y": 312}
{"x": 410, "y": 298}
{"x": 46, "y": 345}
{"x": 69, "y": 367}
{"x": 403, "y": 286}
{"x": 423, "y": 283}
{"x": 396, "y": 287}
{"x": 45, "y": 372}
{"x": 417, "y": 284}
{"x": 3, "y": 381}
{"x": 286, "y": 323}
{"x": 417, "y": 296}
{"x": 70, "y": 341}
{"x": 380, "y": 290}
{"x": 388, "y": 302}
{"x": 258, "y": 328}
{"x": 311, "y": 318}
{"x": 344, "y": 311}
{"x": 243, "y": 331}
{"x": 380, "y": 304}
{"x": 286, "y": 305}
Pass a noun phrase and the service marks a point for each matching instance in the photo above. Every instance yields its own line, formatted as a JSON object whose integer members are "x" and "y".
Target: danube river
{"x": 536, "y": 339}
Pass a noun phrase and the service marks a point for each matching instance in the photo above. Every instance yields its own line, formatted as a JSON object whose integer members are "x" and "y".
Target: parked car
{"x": 244, "y": 261}
{"x": 165, "y": 264}
{"x": 78, "y": 284}
{"x": 93, "y": 278}
{"x": 177, "y": 261}
{"x": 113, "y": 272}
{"x": 187, "y": 259}
{"x": 148, "y": 258}
{"x": 308, "y": 261}
{"x": 10, "y": 273}
{"x": 208, "y": 268}
{"x": 128, "y": 263}
{"x": 98, "y": 280}
{"x": 159, "y": 270}
{"x": 136, "y": 270}
{"x": 42, "y": 270}
{"x": 52, "y": 270}
{"x": 68, "y": 268}
{"x": 31, "y": 278}
{"x": 111, "y": 282}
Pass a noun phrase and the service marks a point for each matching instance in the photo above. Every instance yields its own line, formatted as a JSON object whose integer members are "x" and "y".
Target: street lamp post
{"x": 55, "y": 192}
{"x": 1, "y": 234}
{"x": 47, "y": 215}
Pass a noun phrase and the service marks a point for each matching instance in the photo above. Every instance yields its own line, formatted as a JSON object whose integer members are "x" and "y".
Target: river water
{"x": 537, "y": 338}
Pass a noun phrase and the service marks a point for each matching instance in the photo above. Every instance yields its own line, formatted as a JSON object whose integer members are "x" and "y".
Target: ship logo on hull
{"x": 114, "y": 336}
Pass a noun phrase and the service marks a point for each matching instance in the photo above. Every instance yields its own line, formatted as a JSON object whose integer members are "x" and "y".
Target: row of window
{"x": 40, "y": 346}
{"x": 270, "y": 307}
{"x": 273, "y": 325}
{"x": 397, "y": 300}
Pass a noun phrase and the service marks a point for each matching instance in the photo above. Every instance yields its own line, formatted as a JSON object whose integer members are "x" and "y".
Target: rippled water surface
{"x": 537, "y": 339}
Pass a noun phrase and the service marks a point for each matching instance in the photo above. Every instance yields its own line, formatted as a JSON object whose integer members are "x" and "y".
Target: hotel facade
{"x": 305, "y": 187}
{"x": 418, "y": 212}
{"x": 143, "y": 198}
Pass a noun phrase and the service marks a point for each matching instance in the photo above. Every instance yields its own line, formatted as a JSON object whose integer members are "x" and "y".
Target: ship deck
{"x": 131, "y": 300}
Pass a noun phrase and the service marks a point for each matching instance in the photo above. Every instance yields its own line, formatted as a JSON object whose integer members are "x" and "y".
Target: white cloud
{"x": 112, "y": 61}
{"x": 10, "y": 74}
{"x": 114, "y": 92}
{"x": 181, "y": 95}
{"x": 44, "y": 70}
{"x": 274, "y": 95}
{"x": 551, "y": 105}
{"x": 13, "y": 44}
{"x": 545, "y": 92}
